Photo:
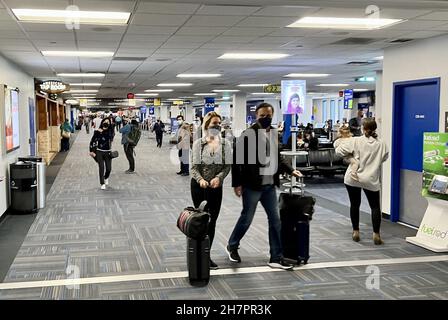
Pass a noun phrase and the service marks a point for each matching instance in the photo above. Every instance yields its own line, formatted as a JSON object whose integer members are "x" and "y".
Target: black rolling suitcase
{"x": 296, "y": 211}
{"x": 198, "y": 261}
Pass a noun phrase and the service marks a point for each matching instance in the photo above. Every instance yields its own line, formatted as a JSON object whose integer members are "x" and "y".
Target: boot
{"x": 355, "y": 236}
{"x": 377, "y": 239}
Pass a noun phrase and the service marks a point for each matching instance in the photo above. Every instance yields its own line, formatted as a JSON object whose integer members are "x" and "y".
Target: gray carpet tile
{"x": 131, "y": 229}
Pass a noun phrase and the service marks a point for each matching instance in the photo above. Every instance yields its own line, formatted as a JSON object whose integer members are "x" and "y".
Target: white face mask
{"x": 180, "y": 122}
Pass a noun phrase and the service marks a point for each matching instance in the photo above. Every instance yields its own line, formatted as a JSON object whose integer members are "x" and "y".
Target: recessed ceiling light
{"x": 253, "y": 85}
{"x": 343, "y": 23}
{"x": 262, "y": 93}
{"x": 147, "y": 94}
{"x": 81, "y": 75}
{"x": 205, "y": 94}
{"x": 333, "y": 85}
{"x": 174, "y": 84}
{"x": 91, "y": 54}
{"x": 186, "y": 97}
{"x": 159, "y": 90}
{"x": 174, "y": 99}
{"x": 62, "y": 16}
{"x": 360, "y": 90}
{"x": 365, "y": 79}
{"x": 225, "y": 90}
{"x": 307, "y": 75}
{"x": 253, "y": 56}
{"x": 379, "y": 58}
{"x": 199, "y": 75}
{"x": 82, "y": 91}
{"x": 86, "y": 84}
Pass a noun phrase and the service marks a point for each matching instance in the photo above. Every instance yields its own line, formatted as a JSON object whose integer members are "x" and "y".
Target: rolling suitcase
{"x": 198, "y": 261}
{"x": 296, "y": 211}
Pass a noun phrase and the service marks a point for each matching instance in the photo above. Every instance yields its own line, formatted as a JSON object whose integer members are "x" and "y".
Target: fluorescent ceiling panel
{"x": 199, "y": 75}
{"x": 81, "y": 75}
{"x": 205, "y": 94}
{"x": 72, "y": 16}
{"x": 90, "y": 54}
{"x": 307, "y": 75}
{"x": 159, "y": 90}
{"x": 174, "y": 84}
{"x": 82, "y": 91}
{"x": 224, "y": 90}
{"x": 147, "y": 94}
{"x": 253, "y": 56}
{"x": 252, "y": 85}
{"x": 333, "y": 85}
{"x": 86, "y": 84}
{"x": 344, "y": 23}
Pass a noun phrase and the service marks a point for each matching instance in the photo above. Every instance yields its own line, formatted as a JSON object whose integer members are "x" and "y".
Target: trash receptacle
{"x": 23, "y": 177}
{"x": 41, "y": 178}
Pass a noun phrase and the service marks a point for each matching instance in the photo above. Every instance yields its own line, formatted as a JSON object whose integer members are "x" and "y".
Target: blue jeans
{"x": 268, "y": 198}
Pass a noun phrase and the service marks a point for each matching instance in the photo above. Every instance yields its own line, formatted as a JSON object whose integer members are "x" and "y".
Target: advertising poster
{"x": 12, "y": 119}
{"x": 348, "y": 99}
{"x": 293, "y": 96}
{"x": 435, "y": 165}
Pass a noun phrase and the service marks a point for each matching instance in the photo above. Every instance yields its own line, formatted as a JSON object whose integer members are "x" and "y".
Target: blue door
{"x": 416, "y": 110}
{"x": 32, "y": 115}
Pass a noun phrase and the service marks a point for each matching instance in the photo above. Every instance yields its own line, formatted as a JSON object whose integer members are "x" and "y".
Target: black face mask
{"x": 265, "y": 122}
{"x": 214, "y": 130}
{"x": 105, "y": 126}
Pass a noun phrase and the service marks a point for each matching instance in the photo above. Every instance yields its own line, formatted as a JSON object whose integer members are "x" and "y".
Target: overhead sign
{"x": 348, "y": 99}
{"x": 130, "y": 96}
{"x": 83, "y": 102}
{"x": 209, "y": 105}
{"x": 272, "y": 88}
{"x": 53, "y": 86}
{"x": 157, "y": 102}
{"x": 151, "y": 110}
{"x": 143, "y": 109}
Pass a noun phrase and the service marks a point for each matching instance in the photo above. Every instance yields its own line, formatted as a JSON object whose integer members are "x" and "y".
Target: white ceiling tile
{"x": 286, "y": 11}
{"x": 201, "y": 31}
{"x": 11, "y": 34}
{"x": 388, "y": 13}
{"x": 278, "y": 40}
{"x": 172, "y": 51}
{"x": 140, "y": 45}
{"x": 43, "y": 27}
{"x": 227, "y": 10}
{"x": 52, "y": 36}
{"x": 291, "y": 32}
{"x": 417, "y": 25}
{"x": 4, "y": 16}
{"x": 145, "y": 19}
{"x": 217, "y": 21}
{"x": 237, "y": 31}
{"x": 106, "y": 46}
{"x": 340, "y": 12}
{"x": 167, "y": 8}
{"x": 48, "y": 45}
{"x": 33, "y": 4}
{"x": 93, "y": 36}
{"x": 437, "y": 15}
{"x": 9, "y": 25}
{"x": 124, "y": 51}
{"x": 120, "y": 66}
{"x": 145, "y": 38}
{"x": 424, "y": 34}
{"x": 100, "y": 30}
{"x": 191, "y": 38}
{"x": 151, "y": 30}
{"x": 228, "y": 39}
{"x": 180, "y": 45}
{"x": 266, "y": 22}
{"x": 25, "y": 46}
{"x": 104, "y": 5}
{"x": 383, "y": 33}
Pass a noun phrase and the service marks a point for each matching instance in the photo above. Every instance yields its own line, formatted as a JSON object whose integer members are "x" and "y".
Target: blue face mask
{"x": 265, "y": 122}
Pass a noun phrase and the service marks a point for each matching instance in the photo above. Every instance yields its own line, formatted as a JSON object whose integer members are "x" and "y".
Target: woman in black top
{"x": 100, "y": 148}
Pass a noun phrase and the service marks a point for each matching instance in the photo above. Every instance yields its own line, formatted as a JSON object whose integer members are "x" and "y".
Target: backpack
{"x": 134, "y": 136}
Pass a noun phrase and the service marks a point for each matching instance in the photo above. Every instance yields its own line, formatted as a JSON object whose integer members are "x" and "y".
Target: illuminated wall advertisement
{"x": 293, "y": 96}
{"x": 435, "y": 165}
{"x": 348, "y": 99}
{"x": 12, "y": 119}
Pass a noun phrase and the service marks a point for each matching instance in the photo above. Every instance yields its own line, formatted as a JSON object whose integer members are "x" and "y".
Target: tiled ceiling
{"x": 171, "y": 37}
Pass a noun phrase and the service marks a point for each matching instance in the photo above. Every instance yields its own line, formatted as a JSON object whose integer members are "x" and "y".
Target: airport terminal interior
{"x": 351, "y": 97}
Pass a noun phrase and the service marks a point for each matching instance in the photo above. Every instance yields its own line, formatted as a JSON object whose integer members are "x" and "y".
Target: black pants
{"x": 159, "y": 137}
{"x": 104, "y": 160}
{"x": 129, "y": 151}
{"x": 65, "y": 144}
{"x": 87, "y": 128}
{"x": 183, "y": 158}
{"x": 214, "y": 200}
{"x": 373, "y": 197}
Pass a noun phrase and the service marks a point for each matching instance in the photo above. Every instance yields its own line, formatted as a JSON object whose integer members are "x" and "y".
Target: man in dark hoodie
{"x": 128, "y": 148}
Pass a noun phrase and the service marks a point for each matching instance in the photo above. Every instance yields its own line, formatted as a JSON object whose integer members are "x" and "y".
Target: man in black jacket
{"x": 255, "y": 173}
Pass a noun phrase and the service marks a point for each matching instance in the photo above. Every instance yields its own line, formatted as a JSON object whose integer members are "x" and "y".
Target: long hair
{"x": 207, "y": 119}
{"x": 294, "y": 96}
{"x": 370, "y": 127}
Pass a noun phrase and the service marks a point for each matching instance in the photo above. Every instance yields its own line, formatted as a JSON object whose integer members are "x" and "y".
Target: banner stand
{"x": 433, "y": 231}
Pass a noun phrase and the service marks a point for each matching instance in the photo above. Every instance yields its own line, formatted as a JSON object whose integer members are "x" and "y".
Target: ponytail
{"x": 370, "y": 127}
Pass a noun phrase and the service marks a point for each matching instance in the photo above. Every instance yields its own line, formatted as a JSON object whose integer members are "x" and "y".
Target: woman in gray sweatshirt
{"x": 370, "y": 152}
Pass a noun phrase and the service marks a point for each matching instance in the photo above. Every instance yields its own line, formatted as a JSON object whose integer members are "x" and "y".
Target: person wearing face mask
{"x": 183, "y": 145}
{"x": 255, "y": 174}
{"x": 100, "y": 148}
{"x": 212, "y": 158}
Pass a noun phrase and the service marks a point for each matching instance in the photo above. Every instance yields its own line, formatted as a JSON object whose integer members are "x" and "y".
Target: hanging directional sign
{"x": 272, "y": 88}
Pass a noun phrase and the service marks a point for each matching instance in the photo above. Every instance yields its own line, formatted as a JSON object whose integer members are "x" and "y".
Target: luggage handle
{"x": 300, "y": 185}
{"x": 202, "y": 205}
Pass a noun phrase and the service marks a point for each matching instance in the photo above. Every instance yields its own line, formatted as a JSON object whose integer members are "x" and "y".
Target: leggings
{"x": 213, "y": 198}
{"x": 104, "y": 160}
{"x": 373, "y": 197}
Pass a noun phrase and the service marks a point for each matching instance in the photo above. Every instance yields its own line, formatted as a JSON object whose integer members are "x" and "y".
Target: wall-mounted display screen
{"x": 293, "y": 96}
{"x": 12, "y": 119}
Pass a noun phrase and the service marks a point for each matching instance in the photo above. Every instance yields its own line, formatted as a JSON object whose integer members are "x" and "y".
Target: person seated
{"x": 311, "y": 142}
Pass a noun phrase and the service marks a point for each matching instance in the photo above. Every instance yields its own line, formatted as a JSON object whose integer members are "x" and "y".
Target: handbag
{"x": 114, "y": 154}
{"x": 66, "y": 134}
{"x": 193, "y": 222}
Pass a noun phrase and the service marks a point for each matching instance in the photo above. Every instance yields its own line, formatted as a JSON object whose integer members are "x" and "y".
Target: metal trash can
{"x": 41, "y": 178}
{"x": 23, "y": 184}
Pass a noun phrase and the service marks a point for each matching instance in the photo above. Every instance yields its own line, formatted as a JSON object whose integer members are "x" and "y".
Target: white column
{"x": 189, "y": 113}
{"x": 164, "y": 115}
{"x": 239, "y": 113}
{"x": 157, "y": 112}
{"x": 378, "y": 99}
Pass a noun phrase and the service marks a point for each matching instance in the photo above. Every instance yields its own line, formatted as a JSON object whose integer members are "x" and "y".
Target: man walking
{"x": 129, "y": 139}
{"x": 255, "y": 174}
{"x": 158, "y": 129}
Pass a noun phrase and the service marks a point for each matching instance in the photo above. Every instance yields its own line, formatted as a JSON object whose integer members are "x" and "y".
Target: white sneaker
{"x": 106, "y": 182}
{"x": 103, "y": 187}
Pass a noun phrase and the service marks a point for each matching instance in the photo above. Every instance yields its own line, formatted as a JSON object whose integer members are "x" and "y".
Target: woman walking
{"x": 100, "y": 148}
{"x": 212, "y": 157}
{"x": 370, "y": 152}
{"x": 66, "y": 130}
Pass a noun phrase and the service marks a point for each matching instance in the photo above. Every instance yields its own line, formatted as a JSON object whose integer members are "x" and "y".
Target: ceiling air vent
{"x": 400, "y": 40}
{"x": 356, "y": 41}
{"x": 129, "y": 59}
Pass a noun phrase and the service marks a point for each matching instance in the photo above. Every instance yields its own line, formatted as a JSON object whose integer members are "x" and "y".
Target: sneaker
{"x": 106, "y": 182}
{"x": 129, "y": 172}
{"x": 213, "y": 266}
{"x": 184, "y": 174}
{"x": 180, "y": 172}
{"x": 103, "y": 187}
{"x": 355, "y": 236}
{"x": 233, "y": 255}
{"x": 280, "y": 265}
